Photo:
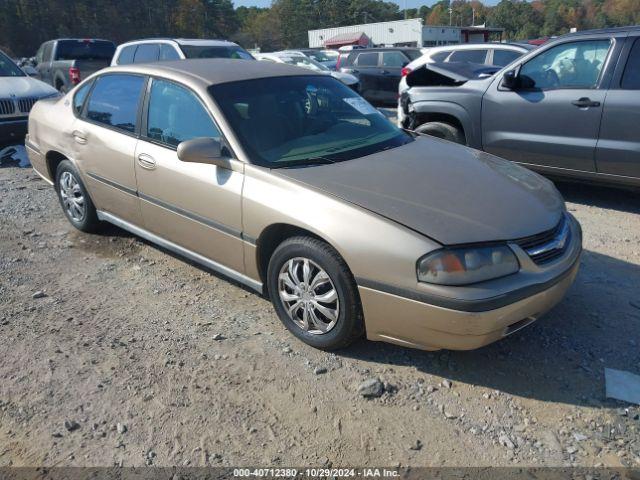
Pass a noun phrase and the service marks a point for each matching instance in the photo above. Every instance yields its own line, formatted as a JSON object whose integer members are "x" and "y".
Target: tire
{"x": 68, "y": 183}
{"x": 348, "y": 325}
{"x": 446, "y": 131}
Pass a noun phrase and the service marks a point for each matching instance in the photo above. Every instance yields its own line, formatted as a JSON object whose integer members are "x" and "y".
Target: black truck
{"x": 62, "y": 63}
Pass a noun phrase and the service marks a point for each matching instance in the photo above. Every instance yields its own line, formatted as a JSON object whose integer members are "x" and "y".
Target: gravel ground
{"x": 115, "y": 352}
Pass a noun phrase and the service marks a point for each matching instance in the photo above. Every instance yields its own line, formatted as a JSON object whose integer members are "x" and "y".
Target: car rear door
{"x": 618, "y": 149}
{"x": 44, "y": 63}
{"x": 193, "y": 205}
{"x": 553, "y": 118}
{"x": 104, "y": 138}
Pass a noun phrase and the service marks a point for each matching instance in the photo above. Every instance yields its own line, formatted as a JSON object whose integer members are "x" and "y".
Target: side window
{"x": 367, "y": 59}
{"x": 502, "y": 58}
{"x": 471, "y": 56}
{"x": 570, "y": 65}
{"x": 394, "y": 59}
{"x": 167, "y": 52}
{"x": 147, "y": 52}
{"x": 47, "y": 51}
{"x": 176, "y": 115}
{"x": 631, "y": 77}
{"x": 126, "y": 55}
{"x": 114, "y": 101}
{"x": 440, "y": 56}
{"x": 79, "y": 97}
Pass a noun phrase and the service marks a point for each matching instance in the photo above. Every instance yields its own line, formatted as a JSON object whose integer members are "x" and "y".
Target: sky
{"x": 409, "y": 3}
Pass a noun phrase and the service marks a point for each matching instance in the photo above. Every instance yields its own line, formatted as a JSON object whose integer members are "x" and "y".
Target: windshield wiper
{"x": 307, "y": 162}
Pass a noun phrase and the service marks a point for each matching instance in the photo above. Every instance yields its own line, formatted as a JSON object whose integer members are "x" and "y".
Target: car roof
{"x": 184, "y": 41}
{"x": 632, "y": 28}
{"x": 475, "y": 46}
{"x": 212, "y": 71}
{"x": 381, "y": 49}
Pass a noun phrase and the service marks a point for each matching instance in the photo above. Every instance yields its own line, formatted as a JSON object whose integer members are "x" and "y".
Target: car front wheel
{"x": 314, "y": 293}
{"x": 443, "y": 130}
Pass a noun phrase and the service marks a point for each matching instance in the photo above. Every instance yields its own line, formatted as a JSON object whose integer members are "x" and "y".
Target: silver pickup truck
{"x": 64, "y": 62}
{"x": 568, "y": 109}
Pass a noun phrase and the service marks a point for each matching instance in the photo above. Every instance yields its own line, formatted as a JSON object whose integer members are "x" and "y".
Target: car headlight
{"x": 466, "y": 265}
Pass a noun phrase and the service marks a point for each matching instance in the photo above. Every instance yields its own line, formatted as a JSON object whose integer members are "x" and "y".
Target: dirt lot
{"x": 132, "y": 356}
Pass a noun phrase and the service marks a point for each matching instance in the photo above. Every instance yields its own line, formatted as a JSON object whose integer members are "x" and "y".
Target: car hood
{"x": 448, "y": 192}
{"x": 24, "y": 87}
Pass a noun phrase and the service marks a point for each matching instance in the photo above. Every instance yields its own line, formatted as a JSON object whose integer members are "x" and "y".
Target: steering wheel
{"x": 310, "y": 105}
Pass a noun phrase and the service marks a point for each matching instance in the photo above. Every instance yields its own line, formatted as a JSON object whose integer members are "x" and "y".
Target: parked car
{"x": 18, "y": 93}
{"x": 292, "y": 184}
{"x": 166, "y": 49}
{"x": 301, "y": 60}
{"x": 328, "y": 58}
{"x": 493, "y": 54}
{"x": 569, "y": 108}
{"x": 379, "y": 71}
{"x": 63, "y": 63}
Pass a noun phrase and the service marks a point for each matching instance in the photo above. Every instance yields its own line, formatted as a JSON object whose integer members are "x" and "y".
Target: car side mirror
{"x": 30, "y": 71}
{"x": 511, "y": 80}
{"x": 203, "y": 150}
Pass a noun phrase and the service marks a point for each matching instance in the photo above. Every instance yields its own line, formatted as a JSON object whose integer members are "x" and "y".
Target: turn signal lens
{"x": 464, "y": 266}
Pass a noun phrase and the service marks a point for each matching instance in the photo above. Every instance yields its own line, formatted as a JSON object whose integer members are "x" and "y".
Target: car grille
{"x": 547, "y": 246}
{"x": 7, "y": 106}
{"x": 25, "y": 104}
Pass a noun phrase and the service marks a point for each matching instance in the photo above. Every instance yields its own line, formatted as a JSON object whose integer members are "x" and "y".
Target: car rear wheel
{"x": 443, "y": 130}
{"x": 314, "y": 293}
{"x": 74, "y": 199}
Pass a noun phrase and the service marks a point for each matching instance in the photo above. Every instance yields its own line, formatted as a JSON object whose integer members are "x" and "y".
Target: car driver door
{"x": 193, "y": 205}
{"x": 551, "y": 116}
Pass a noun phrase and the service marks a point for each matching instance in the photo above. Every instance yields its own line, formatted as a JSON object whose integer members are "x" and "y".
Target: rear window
{"x": 502, "y": 58}
{"x": 208, "y": 51}
{"x": 471, "y": 56}
{"x": 413, "y": 54}
{"x": 631, "y": 77}
{"x": 85, "y": 50}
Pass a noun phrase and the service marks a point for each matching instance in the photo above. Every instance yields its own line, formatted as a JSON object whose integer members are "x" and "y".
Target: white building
{"x": 401, "y": 33}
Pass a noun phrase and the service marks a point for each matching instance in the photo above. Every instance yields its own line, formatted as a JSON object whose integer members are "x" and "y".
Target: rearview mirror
{"x": 203, "y": 150}
{"x": 511, "y": 80}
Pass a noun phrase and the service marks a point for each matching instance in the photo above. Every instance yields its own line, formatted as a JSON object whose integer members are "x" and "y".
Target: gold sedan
{"x": 293, "y": 185}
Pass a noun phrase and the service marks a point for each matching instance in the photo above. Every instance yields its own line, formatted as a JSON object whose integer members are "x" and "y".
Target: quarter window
{"x": 631, "y": 77}
{"x": 440, "y": 56}
{"x": 367, "y": 60}
{"x": 147, "y": 52}
{"x": 79, "y": 97}
{"x": 176, "y": 115}
{"x": 126, "y": 55}
{"x": 167, "y": 52}
{"x": 114, "y": 101}
{"x": 570, "y": 65}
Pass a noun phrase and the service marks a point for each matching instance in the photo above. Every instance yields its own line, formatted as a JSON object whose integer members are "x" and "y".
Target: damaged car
{"x": 291, "y": 184}
{"x": 568, "y": 109}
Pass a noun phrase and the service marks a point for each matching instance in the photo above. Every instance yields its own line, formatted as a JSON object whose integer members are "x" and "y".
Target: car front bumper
{"x": 395, "y": 317}
{"x": 12, "y": 131}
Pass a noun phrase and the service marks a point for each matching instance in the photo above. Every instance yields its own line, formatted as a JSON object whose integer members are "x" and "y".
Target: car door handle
{"x": 585, "y": 102}
{"x": 80, "y": 137}
{"x": 147, "y": 161}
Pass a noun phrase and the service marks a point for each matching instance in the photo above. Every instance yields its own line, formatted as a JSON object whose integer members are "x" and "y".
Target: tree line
{"x": 25, "y": 24}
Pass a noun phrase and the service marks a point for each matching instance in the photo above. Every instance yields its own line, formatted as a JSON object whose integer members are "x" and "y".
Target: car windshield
{"x": 84, "y": 50}
{"x": 209, "y": 51}
{"x": 295, "y": 121}
{"x": 304, "y": 62}
{"x": 8, "y": 68}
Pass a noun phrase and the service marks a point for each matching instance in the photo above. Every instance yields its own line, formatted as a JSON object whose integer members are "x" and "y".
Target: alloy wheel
{"x": 72, "y": 197}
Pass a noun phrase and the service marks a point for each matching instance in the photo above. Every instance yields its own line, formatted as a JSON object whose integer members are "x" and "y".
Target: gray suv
{"x": 569, "y": 109}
